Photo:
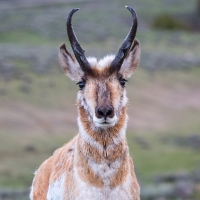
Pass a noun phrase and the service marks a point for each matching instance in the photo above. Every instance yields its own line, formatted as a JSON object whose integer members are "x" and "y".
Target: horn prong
{"x": 127, "y": 43}
{"x": 76, "y": 47}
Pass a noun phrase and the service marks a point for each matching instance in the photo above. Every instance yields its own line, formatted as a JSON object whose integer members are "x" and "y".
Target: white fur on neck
{"x": 117, "y": 138}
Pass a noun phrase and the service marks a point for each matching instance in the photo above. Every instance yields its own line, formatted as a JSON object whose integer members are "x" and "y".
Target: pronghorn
{"x": 96, "y": 164}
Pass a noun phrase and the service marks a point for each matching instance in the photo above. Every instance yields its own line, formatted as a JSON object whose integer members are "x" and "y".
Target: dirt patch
{"x": 156, "y": 107}
{"x": 29, "y": 118}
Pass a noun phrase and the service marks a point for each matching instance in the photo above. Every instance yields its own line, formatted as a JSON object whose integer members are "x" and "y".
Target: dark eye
{"x": 123, "y": 82}
{"x": 81, "y": 84}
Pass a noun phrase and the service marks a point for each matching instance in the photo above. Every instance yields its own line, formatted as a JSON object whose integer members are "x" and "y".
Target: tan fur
{"x": 59, "y": 163}
{"x": 52, "y": 169}
{"x": 122, "y": 173}
{"x": 96, "y": 164}
{"x": 102, "y": 137}
{"x": 40, "y": 190}
{"x": 84, "y": 170}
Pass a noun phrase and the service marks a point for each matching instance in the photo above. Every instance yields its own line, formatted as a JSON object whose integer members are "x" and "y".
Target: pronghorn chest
{"x": 85, "y": 191}
{"x": 104, "y": 172}
{"x": 93, "y": 193}
{"x": 91, "y": 180}
{"x": 88, "y": 192}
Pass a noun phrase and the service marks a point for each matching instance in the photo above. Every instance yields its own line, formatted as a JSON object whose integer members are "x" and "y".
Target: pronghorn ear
{"x": 69, "y": 64}
{"x": 131, "y": 61}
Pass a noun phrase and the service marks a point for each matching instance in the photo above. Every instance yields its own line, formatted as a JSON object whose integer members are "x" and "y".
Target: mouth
{"x": 104, "y": 122}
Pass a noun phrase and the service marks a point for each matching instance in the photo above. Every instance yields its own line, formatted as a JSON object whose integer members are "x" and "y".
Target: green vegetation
{"x": 23, "y": 37}
{"x": 21, "y": 154}
{"x": 152, "y": 156}
{"x": 168, "y": 22}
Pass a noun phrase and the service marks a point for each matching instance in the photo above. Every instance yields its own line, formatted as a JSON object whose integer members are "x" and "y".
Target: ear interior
{"x": 69, "y": 64}
{"x": 131, "y": 61}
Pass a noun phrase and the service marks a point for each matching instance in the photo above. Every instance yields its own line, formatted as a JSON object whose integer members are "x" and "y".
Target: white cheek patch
{"x": 90, "y": 107}
{"x": 88, "y": 101}
{"x": 85, "y": 106}
{"x": 122, "y": 103}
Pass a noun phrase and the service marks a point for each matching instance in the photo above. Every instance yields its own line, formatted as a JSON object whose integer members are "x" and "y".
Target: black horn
{"x": 126, "y": 45}
{"x": 76, "y": 47}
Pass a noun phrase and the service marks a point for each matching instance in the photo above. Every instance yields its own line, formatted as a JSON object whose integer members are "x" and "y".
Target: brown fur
{"x": 59, "y": 163}
{"x": 106, "y": 149}
{"x": 122, "y": 173}
{"x": 103, "y": 137}
{"x": 40, "y": 190}
{"x": 84, "y": 170}
{"x": 52, "y": 169}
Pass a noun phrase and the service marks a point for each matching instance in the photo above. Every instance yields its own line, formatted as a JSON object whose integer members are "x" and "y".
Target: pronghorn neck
{"x": 103, "y": 158}
{"x": 105, "y": 141}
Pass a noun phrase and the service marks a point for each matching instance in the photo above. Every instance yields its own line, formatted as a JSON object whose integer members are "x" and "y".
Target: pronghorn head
{"x": 102, "y": 91}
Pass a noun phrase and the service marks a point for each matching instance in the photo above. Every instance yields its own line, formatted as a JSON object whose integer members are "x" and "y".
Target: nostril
{"x": 109, "y": 112}
{"x": 100, "y": 112}
{"x": 104, "y": 112}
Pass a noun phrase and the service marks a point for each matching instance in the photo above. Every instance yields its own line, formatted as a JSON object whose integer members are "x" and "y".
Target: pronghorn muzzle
{"x": 104, "y": 111}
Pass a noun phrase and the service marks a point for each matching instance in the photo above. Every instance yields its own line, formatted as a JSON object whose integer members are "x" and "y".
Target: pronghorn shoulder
{"x": 66, "y": 150}
{"x": 52, "y": 169}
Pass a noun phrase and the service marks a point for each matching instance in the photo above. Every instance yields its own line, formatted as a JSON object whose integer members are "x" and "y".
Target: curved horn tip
{"x": 132, "y": 11}
{"x": 73, "y": 11}
{"x": 129, "y": 8}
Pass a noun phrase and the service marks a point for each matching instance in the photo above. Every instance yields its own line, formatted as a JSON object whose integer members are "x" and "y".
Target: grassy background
{"x": 37, "y": 102}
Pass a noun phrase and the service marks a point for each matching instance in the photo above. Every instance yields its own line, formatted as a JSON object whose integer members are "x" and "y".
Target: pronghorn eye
{"x": 81, "y": 84}
{"x": 122, "y": 82}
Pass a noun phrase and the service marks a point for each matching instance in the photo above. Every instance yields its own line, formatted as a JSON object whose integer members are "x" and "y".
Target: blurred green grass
{"x": 21, "y": 152}
{"x": 23, "y": 37}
